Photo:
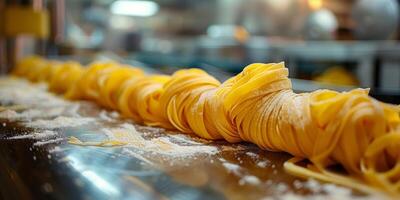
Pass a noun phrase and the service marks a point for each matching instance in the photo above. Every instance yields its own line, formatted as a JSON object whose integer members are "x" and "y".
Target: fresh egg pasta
{"x": 258, "y": 105}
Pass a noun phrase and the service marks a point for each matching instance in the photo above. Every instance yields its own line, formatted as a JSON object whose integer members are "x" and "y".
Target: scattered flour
{"x": 30, "y": 94}
{"x": 13, "y": 115}
{"x": 263, "y": 164}
{"x": 334, "y": 189}
{"x": 72, "y": 110}
{"x": 55, "y": 149}
{"x": 129, "y": 152}
{"x": 59, "y": 122}
{"x": 281, "y": 188}
{"x": 46, "y": 134}
{"x": 232, "y": 168}
{"x": 292, "y": 196}
{"x": 30, "y": 114}
{"x": 23, "y": 95}
{"x": 297, "y": 184}
{"x": 319, "y": 191}
{"x": 127, "y": 135}
{"x": 313, "y": 186}
{"x": 173, "y": 149}
{"x": 104, "y": 116}
{"x": 249, "y": 179}
{"x": 184, "y": 138}
{"x": 114, "y": 114}
{"x": 40, "y": 143}
{"x": 252, "y": 155}
{"x": 328, "y": 188}
{"x": 160, "y": 145}
{"x": 188, "y": 139}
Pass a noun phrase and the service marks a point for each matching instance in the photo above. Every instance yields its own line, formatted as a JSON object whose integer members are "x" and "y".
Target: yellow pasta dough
{"x": 258, "y": 105}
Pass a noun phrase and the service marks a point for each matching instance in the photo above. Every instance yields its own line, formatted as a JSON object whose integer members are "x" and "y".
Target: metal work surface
{"x": 37, "y": 162}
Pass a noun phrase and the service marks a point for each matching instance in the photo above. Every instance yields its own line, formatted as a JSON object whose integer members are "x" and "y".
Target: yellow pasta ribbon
{"x": 65, "y": 76}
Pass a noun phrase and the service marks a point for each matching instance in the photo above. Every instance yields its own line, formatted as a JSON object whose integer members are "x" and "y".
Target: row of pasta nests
{"x": 258, "y": 105}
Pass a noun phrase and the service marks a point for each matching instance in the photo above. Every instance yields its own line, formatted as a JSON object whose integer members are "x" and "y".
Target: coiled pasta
{"x": 258, "y": 105}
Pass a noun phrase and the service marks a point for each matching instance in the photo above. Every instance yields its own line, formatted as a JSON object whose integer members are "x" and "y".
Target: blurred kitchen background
{"x": 336, "y": 44}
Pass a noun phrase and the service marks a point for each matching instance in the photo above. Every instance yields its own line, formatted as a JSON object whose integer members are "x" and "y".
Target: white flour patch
{"x": 59, "y": 122}
{"x": 252, "y": 155}
{"x": 187, "y": 139}
{"x": 180, "y": 150}
{"x": 160, "y": 145}
{"x": 281, "y": 188}
{"x": 319, "y": 191}
{"x": 20, "y": 92}
{"x": 249, "y": 179}
{"x": 232, "y": 168}
{"x": 30, "y": 114}
{"x": 72, "y": 110}
{"x": 245, "y": 178}
{"x": 114, "y": 114}
{"x": 41, "y": 143}
{"x": 25, "y": 115}
{"x": 46, "y": 134}
{"x": 22, "y": 97}
{"x": 129, "y": 152}
{"x": 263, "y": 164}
{"x": 328, "y": 188}
{"x": 292, "y": 196}
{"x": 56, "y": 149}
{"x": 104, "y": 116}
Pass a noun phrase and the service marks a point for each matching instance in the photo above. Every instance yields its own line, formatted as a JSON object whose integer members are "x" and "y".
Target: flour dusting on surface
{"x": 263, "y": 164}
{"x": 233, "y": 168}
{"x": 21, "y": 92}
{"x": 59, "y": 122}
{"x": 56, "y": 149}
{"x": 163, "y": 145}
{"x": 129, "y": 152}
{"x": 105, "y": 116}
{"x": 46, "y": 134}
{"x": 249, "y": 179}
{"x": 40, "y": 143}
{"x": 319, "y": 191}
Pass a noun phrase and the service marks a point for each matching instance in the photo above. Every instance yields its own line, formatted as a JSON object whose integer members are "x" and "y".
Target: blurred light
{"x": 238, "y": 33}
{"x": 280, "y": 5}
{"x": 321, "y": 25}
{"x": 315, "y": 4}
{"x": 134, "y": 8}
{"x": 121, "y": 22}
{"x": 100, "y": 182}
{"x": 91, "y": 176}
{"x": 241, "y": 34}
